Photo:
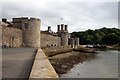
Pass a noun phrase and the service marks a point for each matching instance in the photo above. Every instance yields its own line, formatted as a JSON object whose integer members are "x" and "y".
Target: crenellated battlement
{"x": 34, "y": 19}
{"x": 22, "y": 19}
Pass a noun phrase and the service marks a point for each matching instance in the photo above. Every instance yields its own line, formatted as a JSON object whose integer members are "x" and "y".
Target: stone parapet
{"x": 42, "y": 68}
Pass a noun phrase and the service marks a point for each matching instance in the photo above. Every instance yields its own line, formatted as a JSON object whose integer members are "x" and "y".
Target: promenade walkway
{"x": 17, "y": 62}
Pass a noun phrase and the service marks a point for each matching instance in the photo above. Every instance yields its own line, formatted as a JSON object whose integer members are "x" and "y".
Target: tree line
{"x": 103, "y": 35}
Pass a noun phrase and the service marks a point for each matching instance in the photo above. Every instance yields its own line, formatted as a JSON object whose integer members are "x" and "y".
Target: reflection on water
{"x": 105, "y": 65}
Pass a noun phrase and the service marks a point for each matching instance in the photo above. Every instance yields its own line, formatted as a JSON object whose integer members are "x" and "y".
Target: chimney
{"x": 58, "y": 26}
{"x": 62, "y": 27}
{"x": 49, "y": 28}
{"x": 65, "y": 27}
{"x": 4, "y": 20}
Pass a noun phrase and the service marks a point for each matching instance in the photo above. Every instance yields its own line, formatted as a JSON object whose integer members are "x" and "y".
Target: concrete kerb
{"x": 42, "y": 68}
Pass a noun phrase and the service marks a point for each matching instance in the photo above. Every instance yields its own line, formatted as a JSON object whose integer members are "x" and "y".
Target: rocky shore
{"x": 62, "y": 63}
{"x": 114, "y": 47}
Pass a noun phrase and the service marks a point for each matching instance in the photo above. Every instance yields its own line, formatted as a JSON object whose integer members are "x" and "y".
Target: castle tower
{"x": 31, "y": 33}
{"x": 76, "y": 42}
{"x": 72, "y": 42}
{"x": 64, "y": 39}
{"x": 63, "y": 34}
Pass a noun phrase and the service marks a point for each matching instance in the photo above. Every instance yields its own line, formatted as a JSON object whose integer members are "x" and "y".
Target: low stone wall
{"x": 42, "y": 68}
{"x": 52, "y": 51}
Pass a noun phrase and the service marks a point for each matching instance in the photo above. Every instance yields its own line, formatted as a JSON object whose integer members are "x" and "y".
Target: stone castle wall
{"x": 49, "y": 40}
{"x": 0, "y": 34}
{"x": 26, "y": 32}
{"x": 12, "y": 36}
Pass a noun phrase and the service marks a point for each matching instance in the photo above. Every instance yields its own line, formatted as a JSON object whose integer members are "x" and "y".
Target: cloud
{"x": 78, "y": 15}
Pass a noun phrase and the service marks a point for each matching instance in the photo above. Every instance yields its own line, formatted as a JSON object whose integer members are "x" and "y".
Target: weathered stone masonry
{"x": 12, "y": 36}
{"x": 49, "y": 40}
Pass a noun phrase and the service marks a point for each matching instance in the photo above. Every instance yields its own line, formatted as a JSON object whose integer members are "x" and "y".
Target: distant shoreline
{"x": 114, "y": 48}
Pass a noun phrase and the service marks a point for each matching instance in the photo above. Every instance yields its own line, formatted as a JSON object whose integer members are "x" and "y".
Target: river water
{"x": 105, "y": 65}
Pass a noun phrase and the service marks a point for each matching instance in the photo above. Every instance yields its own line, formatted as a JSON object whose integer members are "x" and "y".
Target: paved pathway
{"x": 17, "y": 62}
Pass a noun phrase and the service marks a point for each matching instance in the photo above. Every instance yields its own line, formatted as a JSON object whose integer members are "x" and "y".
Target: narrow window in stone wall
{"x": 55, "y": 44}
{"x": 13, "y": 42}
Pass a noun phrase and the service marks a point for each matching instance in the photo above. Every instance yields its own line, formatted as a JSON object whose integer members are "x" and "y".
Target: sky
{"x": 79, "y": 15}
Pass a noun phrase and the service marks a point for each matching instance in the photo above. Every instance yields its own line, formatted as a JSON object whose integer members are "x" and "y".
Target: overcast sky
{"x": 78, "y": 15}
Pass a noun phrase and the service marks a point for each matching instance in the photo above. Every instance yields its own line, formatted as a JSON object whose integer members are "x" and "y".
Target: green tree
{"x": 102, "y": 36}
{"x": 111, "y": 38}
